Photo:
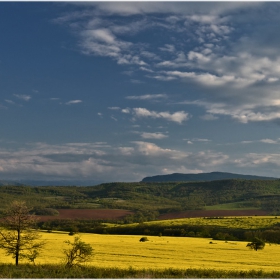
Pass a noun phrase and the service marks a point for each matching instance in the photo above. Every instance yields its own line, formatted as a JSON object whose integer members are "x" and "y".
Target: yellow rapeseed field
{"x": 243, "y": 222}
{"x": 126, "y": 251}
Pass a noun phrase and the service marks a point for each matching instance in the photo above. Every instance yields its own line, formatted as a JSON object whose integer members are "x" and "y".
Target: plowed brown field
{"x": 211, "y": 213}
{"x": 114, "y": 214}
{"x": 92, "y": 214}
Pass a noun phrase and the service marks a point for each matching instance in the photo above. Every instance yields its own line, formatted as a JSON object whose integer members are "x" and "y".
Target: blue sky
{"x": 117, "y": 91}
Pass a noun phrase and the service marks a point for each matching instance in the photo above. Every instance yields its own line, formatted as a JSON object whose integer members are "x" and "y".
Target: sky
{"x": 117, "y": 91}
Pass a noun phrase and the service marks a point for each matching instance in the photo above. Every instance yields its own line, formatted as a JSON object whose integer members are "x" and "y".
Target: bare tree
{"x": 79, "y": 252}
{"x": 18, "y": 236}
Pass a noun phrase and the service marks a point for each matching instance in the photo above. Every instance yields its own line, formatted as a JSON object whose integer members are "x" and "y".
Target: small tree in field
{"x": 18, "y": 236}
{"x": 256, "y": 244}
{"x": 79, "y": 252}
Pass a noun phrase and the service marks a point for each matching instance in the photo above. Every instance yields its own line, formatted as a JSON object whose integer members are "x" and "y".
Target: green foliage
{"x": 155, "y": 198}
{"x": 144, "y": 239}
{"x": 90, "y": 272}
{"x": 18, "y": 236}
{"x": 79, "y": 252}
{"x": 32, "y": 255}
{"x": 38, "y": 210}
{"x": 256, "y": 244}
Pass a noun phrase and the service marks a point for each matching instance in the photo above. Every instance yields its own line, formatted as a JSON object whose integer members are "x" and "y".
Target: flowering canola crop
{"x": 126, "y": 251}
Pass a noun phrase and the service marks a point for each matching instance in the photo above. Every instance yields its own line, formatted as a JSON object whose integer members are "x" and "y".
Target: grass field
{"x": 229, "y": 206}
{"x": 125, "y": 251}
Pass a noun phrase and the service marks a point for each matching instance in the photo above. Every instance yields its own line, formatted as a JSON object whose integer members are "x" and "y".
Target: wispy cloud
{"x": 23, "y": 97}
{"x": 178, "y": 117}
{"x": 235, "y": 66}
{"x": 153, "y": 135}
{"x": 73, "y": 102}
{"x": 9, "y": 101}
{"x": 114, "y": 108}
{"x": 126, "y": 110}
{"x": 168, "y": 48}
{"x": 146, "y": 96}
{"x": 203, "y": 140}
{"x": 209, "y": 117}
{"x": 266, "y": 141}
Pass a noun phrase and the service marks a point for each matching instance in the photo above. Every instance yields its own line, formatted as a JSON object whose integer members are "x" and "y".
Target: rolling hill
{"x": 212, "y": 176}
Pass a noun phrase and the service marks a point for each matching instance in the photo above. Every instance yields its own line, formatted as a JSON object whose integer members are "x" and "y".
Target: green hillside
{"x": 148, "y": 201}
{"x": 155, "y": 198}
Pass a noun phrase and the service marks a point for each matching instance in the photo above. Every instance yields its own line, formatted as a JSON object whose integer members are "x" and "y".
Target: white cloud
{"x": 269, "y": 141}
{"x": 233, "y": 64}
{"x": 181, "y": 8}
{"x": 23, "y": 97}
{"x": 201, "y": 139}
{"x": 114, "y": 108}
{"x": 168, "y": 48}
{"x": 9, "y": 101}
{"x": 209, "y": 19}
{"x": 126, "y": 111}
{"x": 267, "y": 163}
{"x": 100, "y": 160}
{"x": 191, "y": 141}
{"x": 146, "y": 69}
{"x": 103, "y": 35}
{"x": 130, "y": 162}
{"x": 146, "y": 96}
{"x": 266, "y": 141}
{"x": 153, "y": 135}
{"x": 164, "y": 78}
{"x": 178, "y": 117}
{"x": 73, "y": 102}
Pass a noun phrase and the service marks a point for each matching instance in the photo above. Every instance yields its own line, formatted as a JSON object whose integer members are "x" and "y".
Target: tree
{"x": 18, "y": 236}
{"x": 80, "y": 252}
{"x": 256, "y": 244}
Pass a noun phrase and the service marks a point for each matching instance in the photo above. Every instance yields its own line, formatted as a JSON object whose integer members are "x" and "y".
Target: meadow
{"x": 126, "y": 252}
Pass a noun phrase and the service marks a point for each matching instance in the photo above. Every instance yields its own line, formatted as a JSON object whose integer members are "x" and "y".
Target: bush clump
{"x": 144, "y": 239}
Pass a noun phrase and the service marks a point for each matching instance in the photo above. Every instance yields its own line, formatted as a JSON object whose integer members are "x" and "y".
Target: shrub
{"x": 80, "y": 252}
{"x": 144, "y": 239}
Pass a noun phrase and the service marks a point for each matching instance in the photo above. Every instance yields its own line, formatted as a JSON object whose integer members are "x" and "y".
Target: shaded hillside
{"x": 212, "y": 176}
{"x": 149, "y": 200}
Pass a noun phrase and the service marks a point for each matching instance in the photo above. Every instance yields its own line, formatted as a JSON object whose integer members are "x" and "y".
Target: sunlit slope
{"x": 163, "y": 252}
{"x": 255, "y": 222}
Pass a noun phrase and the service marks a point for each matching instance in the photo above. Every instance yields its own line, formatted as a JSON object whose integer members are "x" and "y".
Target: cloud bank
{"x": 121, "y": 163}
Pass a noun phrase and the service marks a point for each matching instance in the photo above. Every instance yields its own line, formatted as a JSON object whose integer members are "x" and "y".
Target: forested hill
{"x": 212, "y": 176}
{"x": 157, "y": 197}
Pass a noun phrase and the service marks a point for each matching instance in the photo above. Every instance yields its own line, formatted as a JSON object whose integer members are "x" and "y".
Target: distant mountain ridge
{"x": 37, "y": 183}
{"x": 212, "y": 176}
{"x": 10, "y": 183}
